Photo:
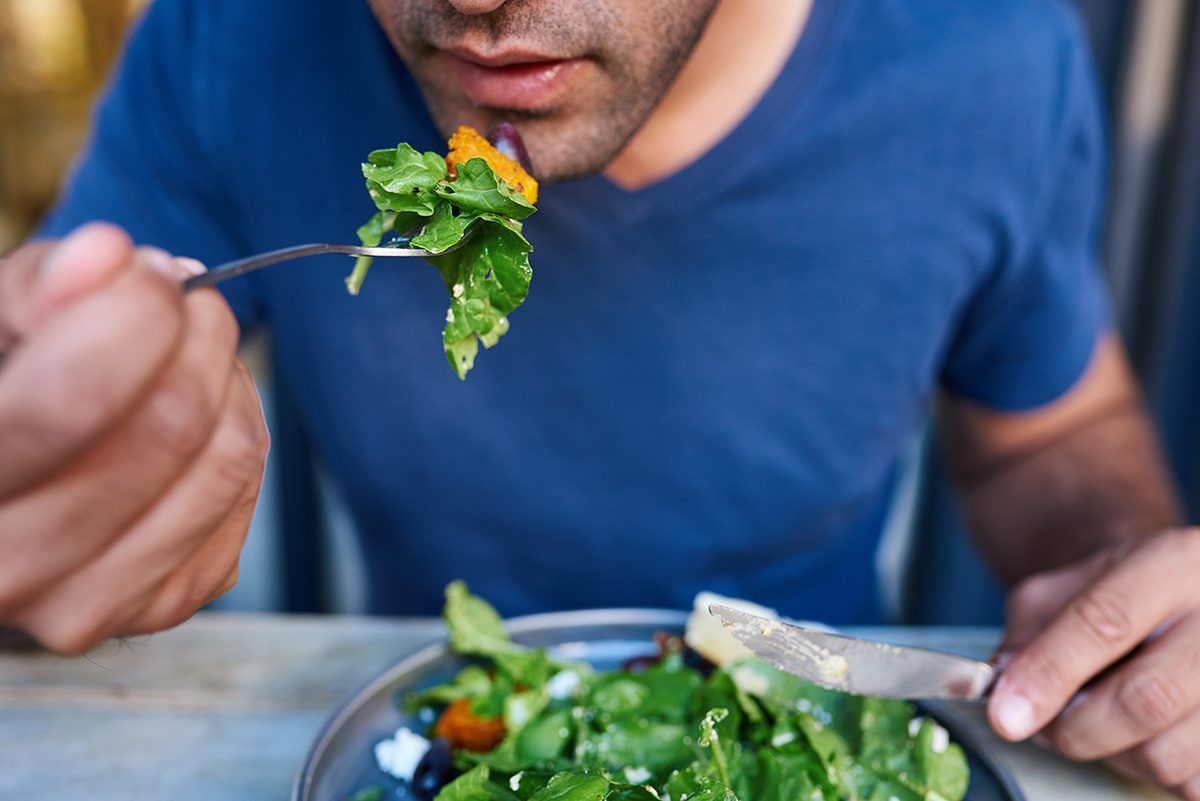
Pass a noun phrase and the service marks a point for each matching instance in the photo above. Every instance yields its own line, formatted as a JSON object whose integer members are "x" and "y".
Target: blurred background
{"x": 56, "y": 54}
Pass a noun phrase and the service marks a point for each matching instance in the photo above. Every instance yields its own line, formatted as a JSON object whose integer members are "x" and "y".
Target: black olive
{"x": 434, "y": 771}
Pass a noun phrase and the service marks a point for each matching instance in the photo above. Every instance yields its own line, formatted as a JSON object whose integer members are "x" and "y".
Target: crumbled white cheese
{"x": 782, "y": 738}
{"x": 563, "y": 684}
{"x": 834, "y": 668}
{"x": 400, "y": 755}
{"x": 514, "y": 781}
{"x": 637, "y": 775}
{"x": 449, "y": 315}
{"x": 458, "y": 290}
{"x": 914, "y": 726}
{"x": 940, "y": 741}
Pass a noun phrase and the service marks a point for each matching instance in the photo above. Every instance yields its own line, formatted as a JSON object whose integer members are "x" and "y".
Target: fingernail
{"x": 160, "y": 261}
{"x": 1002, "y": 659}
{"x": 172, "y": 267}
{"x": 65, "y": 252}
{"x": 1014, "y": 716}
{"x": 192, "y": 266}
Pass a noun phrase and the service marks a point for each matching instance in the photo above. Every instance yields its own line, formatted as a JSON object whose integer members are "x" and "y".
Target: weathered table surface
{"x": 225, "y": 707}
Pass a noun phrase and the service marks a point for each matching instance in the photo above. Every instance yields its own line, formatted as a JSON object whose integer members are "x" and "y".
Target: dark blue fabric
{"x": 713, "y": 377}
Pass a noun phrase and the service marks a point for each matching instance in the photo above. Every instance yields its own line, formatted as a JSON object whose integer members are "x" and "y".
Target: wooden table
{"x": 223, "y": 709}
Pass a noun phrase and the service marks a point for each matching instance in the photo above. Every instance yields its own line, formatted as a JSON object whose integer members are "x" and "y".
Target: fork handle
{"x": 257, "y": 262}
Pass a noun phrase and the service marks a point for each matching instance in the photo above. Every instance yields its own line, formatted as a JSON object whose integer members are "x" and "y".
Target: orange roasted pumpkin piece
{"x": 466, "y": 144}
{"x": 464, "y": 729}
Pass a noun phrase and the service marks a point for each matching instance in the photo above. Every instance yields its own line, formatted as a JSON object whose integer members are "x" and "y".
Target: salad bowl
{"x": 341, "y": 759}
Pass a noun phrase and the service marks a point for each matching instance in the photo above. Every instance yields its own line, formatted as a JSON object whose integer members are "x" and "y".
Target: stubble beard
{"x": 632, "y": 64}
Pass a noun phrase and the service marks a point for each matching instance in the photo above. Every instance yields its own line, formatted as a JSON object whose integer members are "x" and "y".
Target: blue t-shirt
{"x": 713, "y": 378}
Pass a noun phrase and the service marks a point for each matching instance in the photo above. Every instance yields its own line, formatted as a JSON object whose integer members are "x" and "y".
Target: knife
{"x": 861, "y": 667}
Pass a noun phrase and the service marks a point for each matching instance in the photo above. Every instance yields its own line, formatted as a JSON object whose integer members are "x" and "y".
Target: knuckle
{"x": 1150, "y": 701}
{"x": 238, "y": 457}
{"x": 1071, "y": 742}
{"x": 36, "y": 424}
{"x": 244, "y": 509}
{"x": 178, "y": 418}
{"x": 1103, "y": 613}
{"x": 179, "y": 615}
{"x": 165, "y": 615}
{"x": 71, "y": 637}
{"x": 230, "y": 581}
{"x": 1166, "y": 763}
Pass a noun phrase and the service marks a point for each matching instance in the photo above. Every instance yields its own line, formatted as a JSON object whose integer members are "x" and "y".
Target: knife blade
{"x": 862, "y": 667}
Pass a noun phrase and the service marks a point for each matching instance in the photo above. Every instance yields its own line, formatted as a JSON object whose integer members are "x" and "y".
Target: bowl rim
{"x": 524, "y": 624}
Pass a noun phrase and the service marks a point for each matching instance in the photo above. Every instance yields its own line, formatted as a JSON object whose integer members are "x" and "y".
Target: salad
{"x": 699, "y": 721}
{"x": 475, "y": 196}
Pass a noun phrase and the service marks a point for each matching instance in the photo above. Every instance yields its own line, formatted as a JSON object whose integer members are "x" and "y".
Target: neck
{"x": 740, "y": 54}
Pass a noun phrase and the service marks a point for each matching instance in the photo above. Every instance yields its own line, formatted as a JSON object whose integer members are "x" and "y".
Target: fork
{"x": 257, "y": 262}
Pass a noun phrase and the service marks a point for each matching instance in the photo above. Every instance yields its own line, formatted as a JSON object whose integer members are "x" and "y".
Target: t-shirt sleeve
{"x": 152, "y": 163}
{"x": 1028, "y": 331}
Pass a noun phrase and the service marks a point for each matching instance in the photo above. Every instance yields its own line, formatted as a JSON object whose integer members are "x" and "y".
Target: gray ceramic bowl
{"x": 341, "y": 760}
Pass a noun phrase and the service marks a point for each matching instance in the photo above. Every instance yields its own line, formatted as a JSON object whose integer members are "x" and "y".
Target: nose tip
{"x": 476, "y": 6}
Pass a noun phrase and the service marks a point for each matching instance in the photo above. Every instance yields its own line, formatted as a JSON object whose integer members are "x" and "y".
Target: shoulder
{"x": 1006, "y": 80}
{"x": 234, "y": 35}
{"x": 1026, "y": 56}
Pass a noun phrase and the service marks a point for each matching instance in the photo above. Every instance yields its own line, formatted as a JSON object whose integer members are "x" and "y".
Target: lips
{"x": 512, "y": 79}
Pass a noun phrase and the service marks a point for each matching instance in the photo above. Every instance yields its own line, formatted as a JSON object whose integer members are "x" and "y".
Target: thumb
{"x": 1033, "y": 604}
{"x": 40, "y": 279}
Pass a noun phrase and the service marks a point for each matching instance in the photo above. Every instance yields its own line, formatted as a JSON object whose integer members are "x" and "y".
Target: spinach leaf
{"x": 477, "y": 187}
{"x": 406, "y": 175}
{"x": 374, "y": 793}
{"x": 691, "y": 786}
{"x": 833, "y": 753}
{"x": 475, "y": 626}
{"x": 529, "y": 667}
{"x": 670, "y": 684}
{"x": 489, "y": 276}
{"x": 444, "y": 230}
{"x": 941, "y": 765}
{"x": 619, "y": 697}
{"x": 573, "y": 787}
{"x": 545, "y": 737}
{"x": 630, "y": 792}
{"x": 638, "y": 742}
{"x": 471, "y": 682}
{"x": 749, "y": 732}
{"x": 471, "y": 786}
{"x": 786, "y": 776}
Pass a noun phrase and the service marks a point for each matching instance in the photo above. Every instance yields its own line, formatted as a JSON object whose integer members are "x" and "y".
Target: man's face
{"x": 577, "y": 77}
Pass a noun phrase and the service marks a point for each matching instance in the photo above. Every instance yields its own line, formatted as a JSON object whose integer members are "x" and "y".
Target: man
{"x": 808, "y": 220}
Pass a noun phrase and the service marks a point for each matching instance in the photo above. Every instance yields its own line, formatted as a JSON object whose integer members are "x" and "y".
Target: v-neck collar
{"x": 707, "y": 176}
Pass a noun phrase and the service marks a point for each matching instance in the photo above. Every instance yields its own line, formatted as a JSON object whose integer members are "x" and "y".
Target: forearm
{"x": 1099, "y": 482}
